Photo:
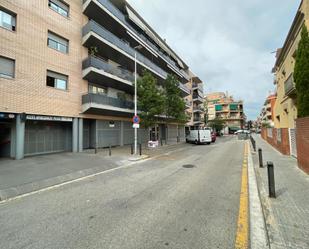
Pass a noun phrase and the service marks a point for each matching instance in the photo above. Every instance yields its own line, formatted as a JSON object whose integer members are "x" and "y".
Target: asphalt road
{"x": 154, "y": 204}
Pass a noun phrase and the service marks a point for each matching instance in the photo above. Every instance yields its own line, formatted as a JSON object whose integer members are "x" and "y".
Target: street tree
{"x": 301, "y": 74}
{"x": 150, "y": 99}
{"x": 174, "y": 104}
{"x": 216, "y": 124}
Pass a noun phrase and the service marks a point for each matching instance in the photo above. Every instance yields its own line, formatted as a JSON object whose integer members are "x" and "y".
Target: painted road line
{"x": 242, "y": 234}
{"x": 258, "y": 235}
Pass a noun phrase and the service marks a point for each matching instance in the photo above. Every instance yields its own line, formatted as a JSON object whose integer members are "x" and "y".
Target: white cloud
{"x": 228, "y": 44}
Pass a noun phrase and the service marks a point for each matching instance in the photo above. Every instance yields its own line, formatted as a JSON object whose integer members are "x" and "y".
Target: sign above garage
{"x": 48, "y": 118}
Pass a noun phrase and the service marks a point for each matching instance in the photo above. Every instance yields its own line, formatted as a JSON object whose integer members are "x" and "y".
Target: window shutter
{"x": 57, "y": 75}
{"x": 61, "y": 4}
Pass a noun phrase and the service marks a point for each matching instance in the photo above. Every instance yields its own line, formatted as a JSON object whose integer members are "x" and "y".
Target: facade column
{"x": 75, "y": 135}
{"x": 122, "y": 133}
{"x": 20, "y": 138}
{"x": 80, "y": 135}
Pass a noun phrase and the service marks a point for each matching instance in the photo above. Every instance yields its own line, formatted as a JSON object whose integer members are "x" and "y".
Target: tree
{"x": 150, "y": 99}
{"x": 301, "y": 74}
{"x": 174, "y": 104}
{"x": 216, "y": 124}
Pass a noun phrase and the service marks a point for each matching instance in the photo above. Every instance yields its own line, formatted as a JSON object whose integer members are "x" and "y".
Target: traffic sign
{"x": 136, "y": 119}
{"x": 136, "y": 126}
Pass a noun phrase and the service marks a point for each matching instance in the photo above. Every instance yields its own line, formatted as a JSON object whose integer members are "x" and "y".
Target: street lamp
{"x": 135, "y": 97}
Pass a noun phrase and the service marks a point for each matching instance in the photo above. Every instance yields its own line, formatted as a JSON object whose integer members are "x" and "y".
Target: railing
{"x": 197, "y": 97}
{"x": 117, "y": 13}
{"x": 184, "y": 88}
{"x": 95, "y": 27}
{"x": 289, "y": 85}
{"x": 198, "y": 86}
{"x": 198, "y": 108}
{"x": 105, "y": 100}
{"x": 98, "y": 63}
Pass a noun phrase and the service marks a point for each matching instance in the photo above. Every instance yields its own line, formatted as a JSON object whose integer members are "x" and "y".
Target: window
{"x": 56, "y": 42}
{"x": 7, "y": 68}
{"x": 97, "y": 90}
{"x": 7, "y": 20}
{"x": 56, "y": 80}
{"x": 59, "y": 6}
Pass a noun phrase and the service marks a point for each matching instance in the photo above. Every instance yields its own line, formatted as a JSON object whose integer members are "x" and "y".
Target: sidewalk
{"x": 39, "y": 172}
{"x": 287, "y": 216}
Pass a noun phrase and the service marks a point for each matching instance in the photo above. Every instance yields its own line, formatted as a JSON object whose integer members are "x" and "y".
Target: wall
{"x": 302, "y": 141}
{"x": 28, "y": 92}
{"x": 272, "y": 136}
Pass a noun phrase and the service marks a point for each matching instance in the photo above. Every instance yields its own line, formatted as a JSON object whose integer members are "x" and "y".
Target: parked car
{"x": 242, "y": 131}
{"x": 199, "y": 137}
{"x": 213, "y": 137}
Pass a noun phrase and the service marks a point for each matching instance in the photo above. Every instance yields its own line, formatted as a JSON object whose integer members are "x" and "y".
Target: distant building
{"x": 267, "y": 115}
{"x": 224, "y": 107}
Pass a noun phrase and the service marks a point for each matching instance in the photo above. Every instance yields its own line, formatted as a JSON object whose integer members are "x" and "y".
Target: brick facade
{"x": 272, "y": 136}
{"x": 302, "y": 141}
{"x": 28, "y": 92}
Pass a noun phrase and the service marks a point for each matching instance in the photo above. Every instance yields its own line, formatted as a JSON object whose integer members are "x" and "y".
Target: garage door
{"x": 108, "y": 135}
{"x": 47, "y": 137}
{"x": 172, "y": 132}
{"x": 182, "y": 133}
{"x": 128, "y": 133}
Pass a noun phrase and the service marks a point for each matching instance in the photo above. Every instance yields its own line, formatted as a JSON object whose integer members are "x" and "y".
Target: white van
{"x": 199, "y": 137}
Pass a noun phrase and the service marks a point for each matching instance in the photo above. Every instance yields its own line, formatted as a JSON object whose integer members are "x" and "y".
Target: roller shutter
{"x": 107, "y": 135}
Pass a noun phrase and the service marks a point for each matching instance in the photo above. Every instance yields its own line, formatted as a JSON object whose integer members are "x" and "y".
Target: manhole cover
{"x": 188, "y": 166}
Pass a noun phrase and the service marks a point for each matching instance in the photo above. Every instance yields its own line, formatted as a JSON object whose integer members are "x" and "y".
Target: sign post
{"x": 136, "y": 121}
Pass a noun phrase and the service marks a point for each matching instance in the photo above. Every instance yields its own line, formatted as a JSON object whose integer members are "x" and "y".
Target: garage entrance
{"x": 42, "y": 137}
{"x": 5, "y": 138}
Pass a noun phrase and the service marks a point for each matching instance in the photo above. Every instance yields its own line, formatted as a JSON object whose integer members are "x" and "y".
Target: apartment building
{"x": 267, "y": 115}
{"x": 224, "y": 107}
{"x": 67, "y": 72}
{"x": 195, "y": 103}
{"x": 285, "y": 107}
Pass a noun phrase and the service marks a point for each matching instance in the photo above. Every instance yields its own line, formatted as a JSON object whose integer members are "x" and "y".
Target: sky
{"x": 227, "y": 43}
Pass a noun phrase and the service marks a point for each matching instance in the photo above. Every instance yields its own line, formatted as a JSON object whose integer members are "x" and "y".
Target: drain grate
{"x": 188, "y": 166}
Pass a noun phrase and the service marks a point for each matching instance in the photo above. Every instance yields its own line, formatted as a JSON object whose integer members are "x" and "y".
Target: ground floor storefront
{"x": 29, "y": 135}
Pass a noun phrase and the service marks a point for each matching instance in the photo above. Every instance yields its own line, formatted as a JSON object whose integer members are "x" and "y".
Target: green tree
{"x": 174, "y": 104}
{"x": 301, "y": 74}
{"x": 216, "y": 124}
{"x": 150, "y": 99}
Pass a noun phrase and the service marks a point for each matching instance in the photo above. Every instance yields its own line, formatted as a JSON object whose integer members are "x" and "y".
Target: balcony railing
{"x": 289, "y": 86}
{"x": 198, "y": 109}
{"x": 105, "y": 100}
{"x": 98, "y": 29}
{"x": 98, "y": 63}
{"x": 198, "y": 86}
{"x": 184, "y": 88}
{"x": 197, "y": 97}
{"x": 118, "y": 14}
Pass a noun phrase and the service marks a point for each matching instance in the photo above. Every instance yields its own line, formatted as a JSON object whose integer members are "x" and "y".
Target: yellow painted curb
{"x": 242, "y": 234}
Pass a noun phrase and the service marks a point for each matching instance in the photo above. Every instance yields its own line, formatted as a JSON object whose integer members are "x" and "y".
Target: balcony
{"x": 198, "y": 109}
{"x": 289, "y": 87}
{"x": 103, "y": 105}
{"x": 196, "y": 86}
{"x": 98, "y": 9}
{"x": 185, "y": 91}
{"x": 188, "y": 104}
{"x": 197, "y": 120}
{"x": 94, "y": 35}
{"x": 98, "y": 71}
{"x": 198, "y": 99}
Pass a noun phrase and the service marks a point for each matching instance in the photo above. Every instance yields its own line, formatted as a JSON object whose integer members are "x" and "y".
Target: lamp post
{"x": 135, "y": 97}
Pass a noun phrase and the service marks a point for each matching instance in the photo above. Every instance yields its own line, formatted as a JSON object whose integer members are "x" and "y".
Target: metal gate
{"x": 47, "y": 137}
{"x": 107, "y": 135}
{"x": 293, "y": 147}
{"x": 172, "y": 132}
{"x": 181, "y": 133}
{"x": 128, "y": 133}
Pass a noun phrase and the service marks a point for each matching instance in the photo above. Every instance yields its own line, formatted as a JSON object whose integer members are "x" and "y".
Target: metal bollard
{"x": 131, "y": 149}
{"x": 140, "y": 149}
{"x": 177, "y": 139}
{"x": 96, "y": 149}
{"x": 110, "y": 150}
{"x": 271, "y": 180}
{"x": 260, "y": 158}
{"x": 161, "y": 142}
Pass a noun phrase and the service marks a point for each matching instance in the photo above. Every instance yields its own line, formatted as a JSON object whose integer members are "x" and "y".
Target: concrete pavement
{"x": 188, "y": 198}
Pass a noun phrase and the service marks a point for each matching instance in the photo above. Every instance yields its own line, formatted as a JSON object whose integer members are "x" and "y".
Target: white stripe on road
{"x": 258, "y": 236}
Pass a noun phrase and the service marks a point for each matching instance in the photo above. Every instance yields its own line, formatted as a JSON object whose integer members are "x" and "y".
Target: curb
{"x": 258, "y": 231}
